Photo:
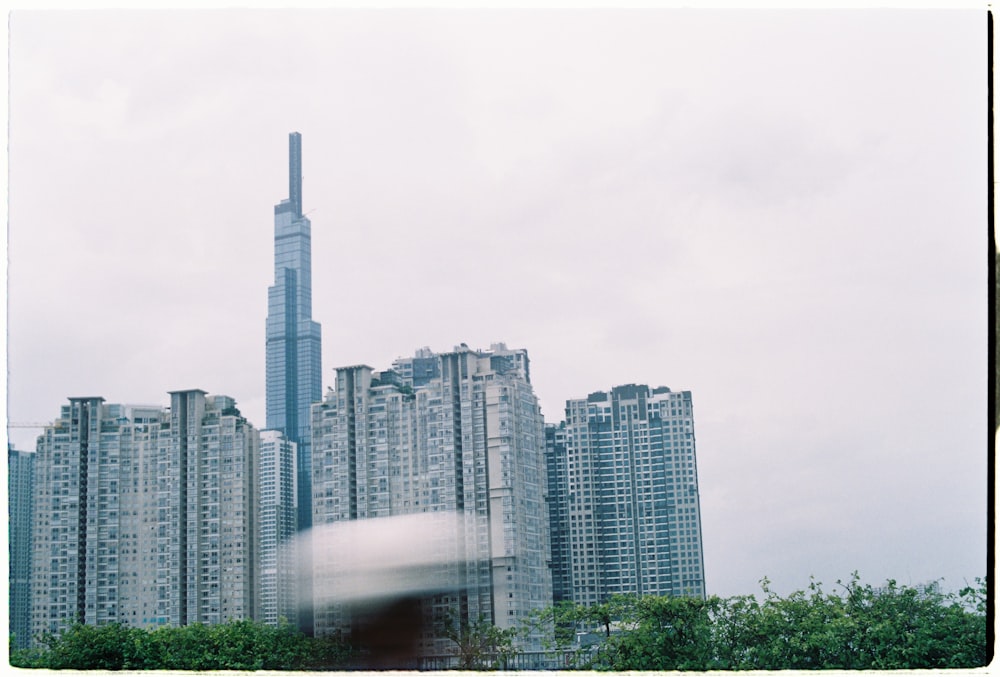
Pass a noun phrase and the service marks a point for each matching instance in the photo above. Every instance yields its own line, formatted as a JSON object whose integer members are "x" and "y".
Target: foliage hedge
{"x": 856, "y": 627}
{"x": 236, "y": 645}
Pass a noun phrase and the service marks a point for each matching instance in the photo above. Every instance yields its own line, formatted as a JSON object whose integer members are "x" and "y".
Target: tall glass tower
{"x": 293, "y": 339}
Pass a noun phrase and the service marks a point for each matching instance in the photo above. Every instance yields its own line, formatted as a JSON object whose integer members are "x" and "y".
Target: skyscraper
{"x": 145, "y": 515}
{"x": 558, "y": 484}
{"x": 214, "y": 504}
{"x": 20, "y": 493}
{"x": 458, "y": 432}
{"x": 277, "y": 509}
{"x": 293, "y": 340}
{"x": 626, "y": 515}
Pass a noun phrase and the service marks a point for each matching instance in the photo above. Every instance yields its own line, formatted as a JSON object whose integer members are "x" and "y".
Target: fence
{"x": 526, "y": 660}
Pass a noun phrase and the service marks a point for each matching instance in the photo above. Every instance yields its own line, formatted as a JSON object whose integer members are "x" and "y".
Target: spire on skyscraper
{"x": 295, "y": 173}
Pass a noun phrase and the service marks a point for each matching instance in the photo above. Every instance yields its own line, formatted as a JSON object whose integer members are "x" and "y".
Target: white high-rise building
{"x": 145, "y": 515}
{"x": 278, "y": 524}
{"x": 458, "y": 432}
{"x": 626, "y": 514}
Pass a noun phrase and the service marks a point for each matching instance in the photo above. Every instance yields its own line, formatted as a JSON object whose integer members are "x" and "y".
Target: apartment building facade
{"x": 278, "y": 520}
{"x": 145, "y": 515}
{"x": 458, "y": 432}
{"x": 20, "y": 495}
{"x": 626, "y": 514}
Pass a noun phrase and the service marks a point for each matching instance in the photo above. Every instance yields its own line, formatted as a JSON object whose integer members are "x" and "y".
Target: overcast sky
{"x": 784, "y": 213}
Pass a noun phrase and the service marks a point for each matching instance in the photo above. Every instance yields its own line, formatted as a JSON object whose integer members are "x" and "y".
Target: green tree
{"x": 481, "y": 645}
{"x": 667, "y": 633}
{"x": 854, "y": 627}
{"x": 85, "y": 647}
{"x": 901, "y": 627}
{"x": 237, "y": 645}
{"x": 557, "y": 627}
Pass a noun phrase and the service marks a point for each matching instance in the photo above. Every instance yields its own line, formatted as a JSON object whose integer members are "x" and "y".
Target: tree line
{"x": 235, "y": 645}
{"x": 851, "y": 627}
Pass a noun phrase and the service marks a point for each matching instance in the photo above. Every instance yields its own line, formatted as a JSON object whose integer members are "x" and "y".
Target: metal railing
{"x": 525, "y": 660}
